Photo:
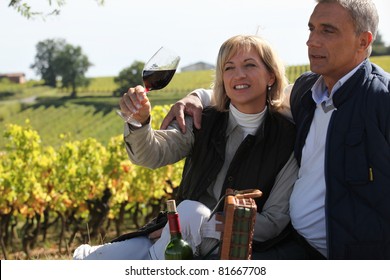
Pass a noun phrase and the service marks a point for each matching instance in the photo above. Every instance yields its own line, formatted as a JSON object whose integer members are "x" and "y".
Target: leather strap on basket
{"x": 248, "y": 193}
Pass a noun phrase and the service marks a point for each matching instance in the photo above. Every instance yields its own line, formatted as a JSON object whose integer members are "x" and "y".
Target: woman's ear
{"x": 271, "y": 80}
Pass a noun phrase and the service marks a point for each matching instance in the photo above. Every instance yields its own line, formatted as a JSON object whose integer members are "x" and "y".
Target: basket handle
{"x": 249, "y": 193}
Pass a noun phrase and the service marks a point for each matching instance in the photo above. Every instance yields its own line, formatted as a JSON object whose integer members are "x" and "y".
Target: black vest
{"x": 256, "y": 163}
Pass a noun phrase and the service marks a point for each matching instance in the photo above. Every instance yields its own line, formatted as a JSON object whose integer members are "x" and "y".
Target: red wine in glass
{"x": 157, "y": 74}
{"x": 157, "y": 79}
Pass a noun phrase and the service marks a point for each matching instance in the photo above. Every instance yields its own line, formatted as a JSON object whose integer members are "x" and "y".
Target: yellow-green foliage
{"x": 36, "y": 177}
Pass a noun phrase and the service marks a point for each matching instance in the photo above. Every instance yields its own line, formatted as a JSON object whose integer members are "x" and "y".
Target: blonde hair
{"x": 269, "y": 57}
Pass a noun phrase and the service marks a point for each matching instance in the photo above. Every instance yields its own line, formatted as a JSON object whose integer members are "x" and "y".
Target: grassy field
{"x": 382, "y": 61}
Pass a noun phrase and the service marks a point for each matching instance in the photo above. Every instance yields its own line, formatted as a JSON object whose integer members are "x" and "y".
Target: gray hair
{"x": 363, "y": 13}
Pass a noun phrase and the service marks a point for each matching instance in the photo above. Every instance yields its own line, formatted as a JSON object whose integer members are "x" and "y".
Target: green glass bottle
{"x": 177, "y": 248}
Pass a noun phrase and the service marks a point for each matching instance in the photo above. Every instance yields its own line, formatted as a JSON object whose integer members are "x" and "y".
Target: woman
{"x": 244, "y": 143}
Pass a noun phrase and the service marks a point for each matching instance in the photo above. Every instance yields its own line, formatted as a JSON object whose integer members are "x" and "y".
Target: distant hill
{"x": 197, "y": 67}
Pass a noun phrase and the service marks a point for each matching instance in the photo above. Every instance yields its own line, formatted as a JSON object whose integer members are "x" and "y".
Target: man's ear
{"x": 365, "y": 40}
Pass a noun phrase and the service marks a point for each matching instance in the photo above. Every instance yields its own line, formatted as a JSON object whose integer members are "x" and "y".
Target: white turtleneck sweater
{"x": 248, "y": 122}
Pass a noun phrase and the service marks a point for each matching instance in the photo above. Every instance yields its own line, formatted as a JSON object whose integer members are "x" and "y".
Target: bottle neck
{"x": 174, "y": 225}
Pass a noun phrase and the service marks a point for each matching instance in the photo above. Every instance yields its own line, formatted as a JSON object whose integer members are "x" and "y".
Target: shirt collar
{"x": 320, "y": 91}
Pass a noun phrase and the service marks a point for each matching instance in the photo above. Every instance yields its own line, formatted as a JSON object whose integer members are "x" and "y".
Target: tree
{"x": 25, "y": 9}
{"x": 379, "y": 47}
{"x": 56, "y": 59}
{"x": 72, "y": 65}
{"x": 45, "y": 64}
{"x": 129, "y": 77}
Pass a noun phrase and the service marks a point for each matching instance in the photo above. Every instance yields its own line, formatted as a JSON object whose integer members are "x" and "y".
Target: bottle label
{"x": 174, "y": 224}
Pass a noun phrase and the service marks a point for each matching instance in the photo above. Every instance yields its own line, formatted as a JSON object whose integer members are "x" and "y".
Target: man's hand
{"x": 189, "y": 105}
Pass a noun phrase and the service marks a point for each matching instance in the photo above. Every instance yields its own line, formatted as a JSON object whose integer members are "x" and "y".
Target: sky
{"x": 116, "y": 34}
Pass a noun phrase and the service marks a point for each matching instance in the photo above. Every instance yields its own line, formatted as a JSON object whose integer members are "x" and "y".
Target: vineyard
{"x": 65, "y": 178}
{"x": 77, "y": 191}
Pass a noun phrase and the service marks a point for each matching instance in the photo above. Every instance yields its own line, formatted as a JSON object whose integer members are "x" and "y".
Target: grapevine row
{"x": 80, "y": 188}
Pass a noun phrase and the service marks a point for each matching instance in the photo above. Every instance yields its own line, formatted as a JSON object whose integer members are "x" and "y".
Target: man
{"x": 340, "y": 205}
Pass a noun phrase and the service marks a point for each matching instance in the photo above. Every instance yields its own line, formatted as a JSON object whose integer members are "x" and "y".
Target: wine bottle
{"x": 177, "y": 248}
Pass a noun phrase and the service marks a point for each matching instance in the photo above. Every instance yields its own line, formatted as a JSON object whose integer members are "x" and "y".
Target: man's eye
{"x": 328, "y": 31}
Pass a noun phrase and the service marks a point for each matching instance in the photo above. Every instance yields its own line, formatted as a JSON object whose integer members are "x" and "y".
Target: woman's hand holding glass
{"x": 156, "y": 74}
{"x": 135, "y": 104}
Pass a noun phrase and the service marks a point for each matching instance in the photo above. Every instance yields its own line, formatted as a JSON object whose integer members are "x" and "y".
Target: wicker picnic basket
{"x": 237, "y": 227}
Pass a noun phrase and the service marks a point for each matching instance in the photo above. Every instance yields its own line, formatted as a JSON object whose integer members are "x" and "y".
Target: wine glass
{"x": 156, "y": 74}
